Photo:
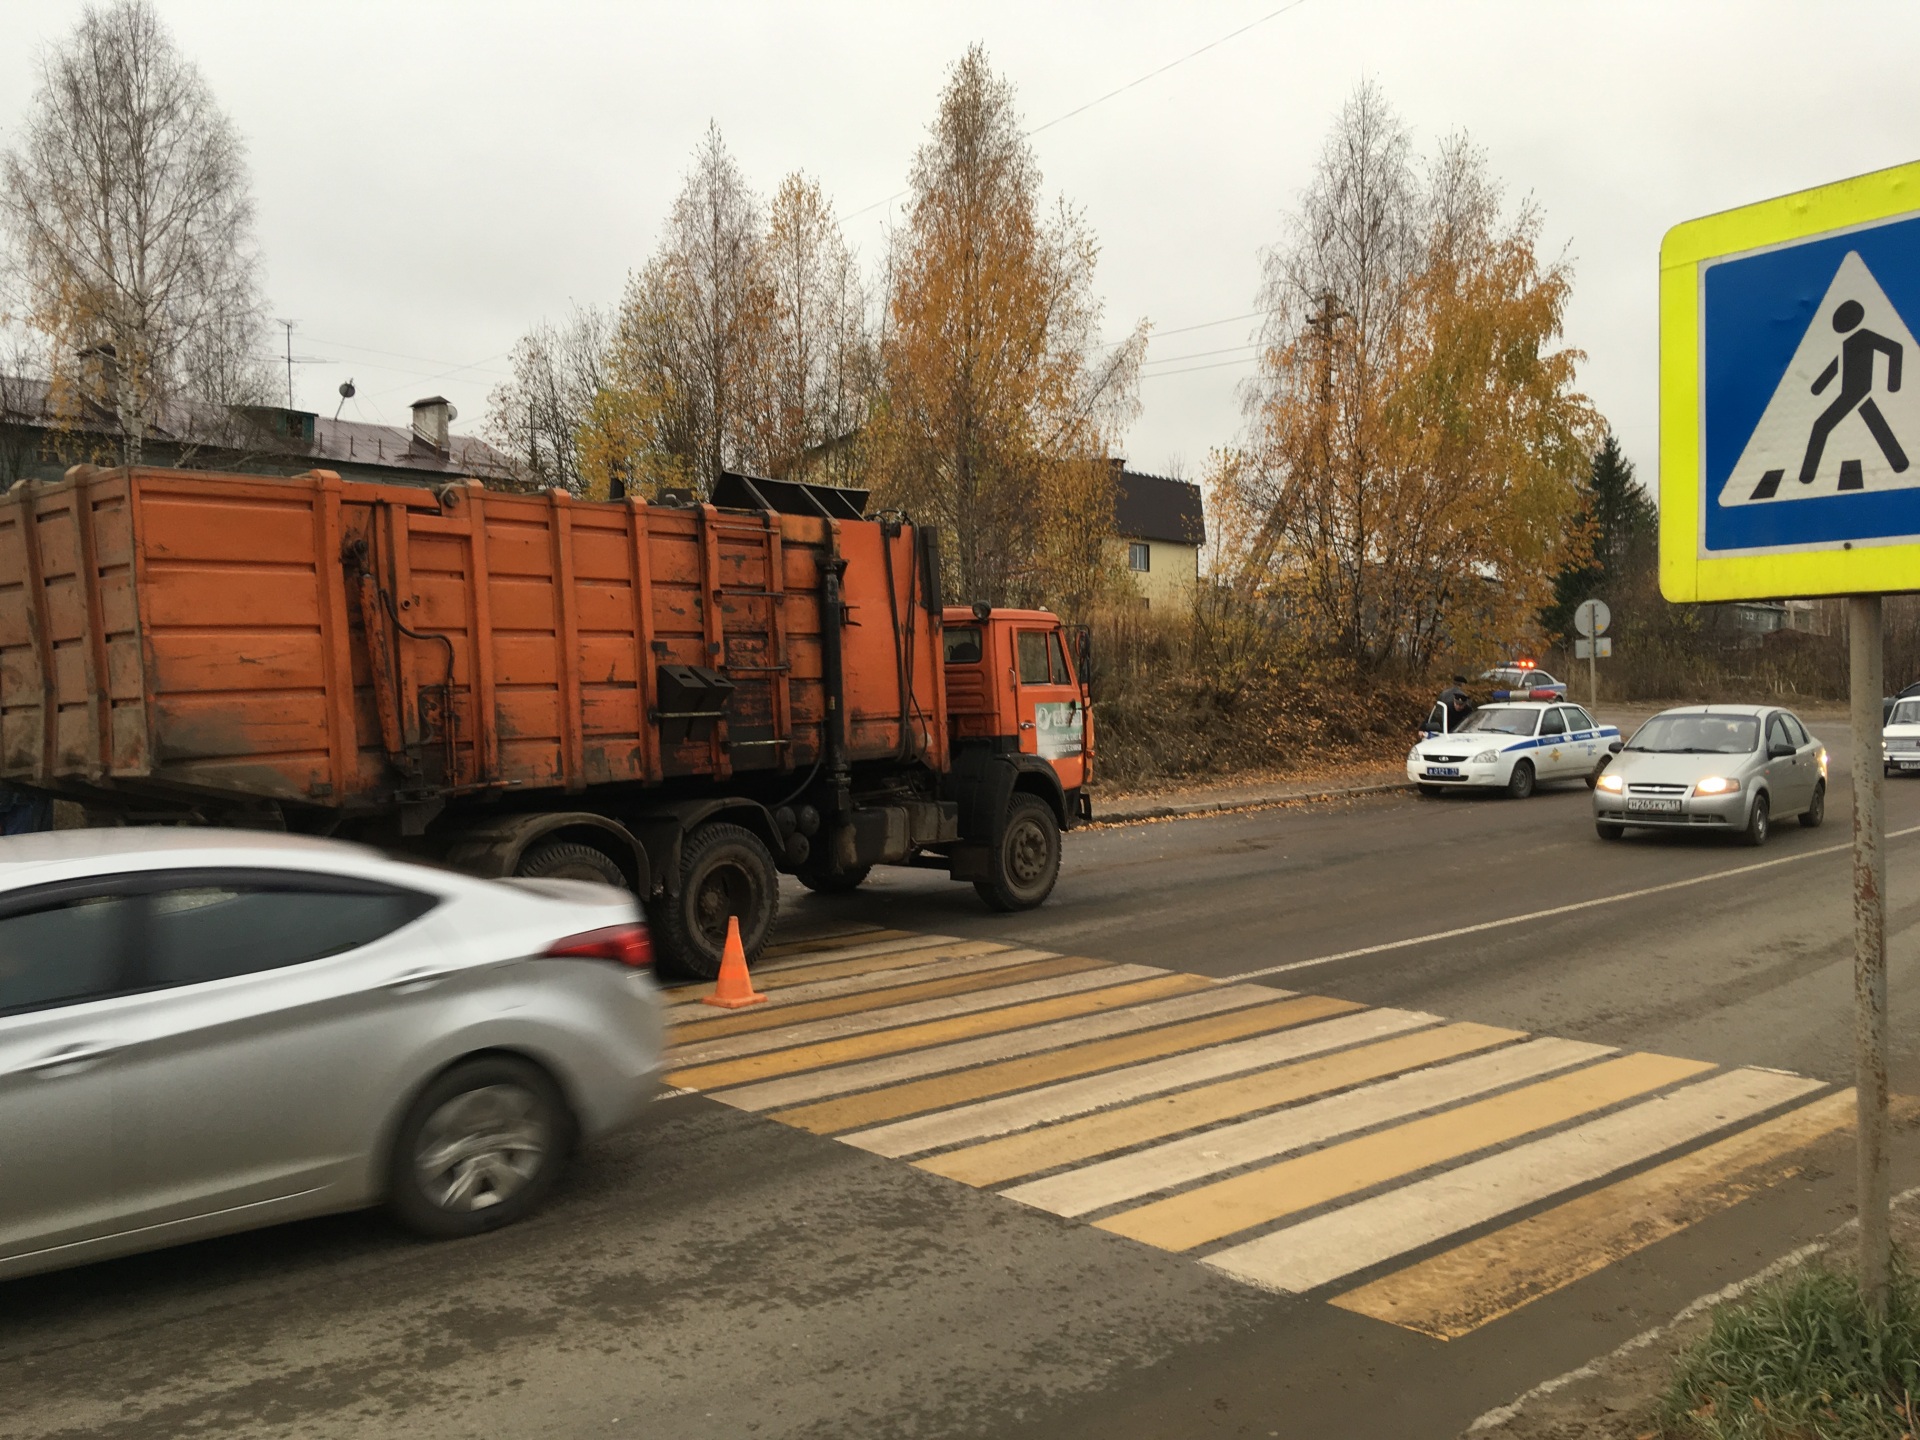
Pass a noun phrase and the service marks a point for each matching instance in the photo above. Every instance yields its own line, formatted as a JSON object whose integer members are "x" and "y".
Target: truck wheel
{"x": 1026, "y": 859}
{"x": 567, "y": 860}
{"x": 833, "y": 882}
{"x": 724, "y": 871}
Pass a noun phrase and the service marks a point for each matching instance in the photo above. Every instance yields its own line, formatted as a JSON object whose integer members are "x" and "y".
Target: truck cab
{"x": 1013, "y": 689}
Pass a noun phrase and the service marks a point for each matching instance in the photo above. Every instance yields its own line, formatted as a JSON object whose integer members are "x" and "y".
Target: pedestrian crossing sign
{"x": 1790, "y": 395}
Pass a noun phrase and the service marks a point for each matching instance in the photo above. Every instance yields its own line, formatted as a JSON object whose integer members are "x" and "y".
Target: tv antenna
{"x": 347, "y": 392}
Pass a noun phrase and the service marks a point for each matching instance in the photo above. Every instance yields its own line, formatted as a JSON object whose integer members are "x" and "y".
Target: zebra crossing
{"x": 1433, "y": 1174}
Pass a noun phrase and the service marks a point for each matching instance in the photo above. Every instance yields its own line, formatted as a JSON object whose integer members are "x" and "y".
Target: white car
{"x": 1900, "y": 739}
{"x": 204, "y": 1031}
{"x": 1514, "y": 746}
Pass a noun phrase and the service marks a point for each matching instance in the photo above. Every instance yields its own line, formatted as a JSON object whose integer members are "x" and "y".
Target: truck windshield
{"x": 1501, "y": 722}
{"x": 1698, "y": 735}
{"x": 963, "y": 646}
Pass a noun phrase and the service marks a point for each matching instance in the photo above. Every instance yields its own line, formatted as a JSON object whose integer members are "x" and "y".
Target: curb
{"x": 1252, "y": 802}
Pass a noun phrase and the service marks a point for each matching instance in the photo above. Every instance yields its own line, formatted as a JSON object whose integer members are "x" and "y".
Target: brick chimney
{"x": 432, "y": 420}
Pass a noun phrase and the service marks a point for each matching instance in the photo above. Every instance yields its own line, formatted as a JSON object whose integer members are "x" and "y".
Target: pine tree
{"x": 1622, "y": 522}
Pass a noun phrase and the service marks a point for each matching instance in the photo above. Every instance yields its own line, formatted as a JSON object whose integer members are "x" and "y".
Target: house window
{"x": 1139, "y": 556}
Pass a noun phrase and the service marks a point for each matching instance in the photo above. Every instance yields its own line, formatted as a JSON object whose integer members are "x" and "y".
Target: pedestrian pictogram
{"x": 1836, "y": 422}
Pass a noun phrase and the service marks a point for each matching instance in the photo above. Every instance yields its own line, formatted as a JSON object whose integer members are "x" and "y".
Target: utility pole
{"x": 288, "y": 326}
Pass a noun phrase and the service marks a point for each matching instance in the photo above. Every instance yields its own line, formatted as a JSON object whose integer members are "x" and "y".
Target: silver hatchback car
{"x": 204, "y": 1031}
{"x": 1731, "y": 768}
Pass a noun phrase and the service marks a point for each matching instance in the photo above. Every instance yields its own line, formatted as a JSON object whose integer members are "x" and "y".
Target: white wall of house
{"x": 1173, "y": 570}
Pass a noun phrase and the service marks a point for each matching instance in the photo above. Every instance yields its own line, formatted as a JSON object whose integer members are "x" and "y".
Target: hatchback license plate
{"x": 1663, "y": 805}
{"x": 1443, "y": 770}
{"x": 1908, "y": 764}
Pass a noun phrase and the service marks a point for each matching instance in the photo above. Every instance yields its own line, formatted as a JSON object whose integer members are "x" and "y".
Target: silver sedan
{"x": 204, "y": 1031}
{"x": 1735, "y": 769}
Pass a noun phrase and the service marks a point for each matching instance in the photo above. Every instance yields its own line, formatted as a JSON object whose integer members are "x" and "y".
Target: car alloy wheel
{"x": 1759, "y": 824}
{"x": 481, "y": 1148}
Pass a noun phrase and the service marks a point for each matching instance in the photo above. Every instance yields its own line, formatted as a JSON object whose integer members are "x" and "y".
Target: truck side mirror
{"x": 1082, "y": 652}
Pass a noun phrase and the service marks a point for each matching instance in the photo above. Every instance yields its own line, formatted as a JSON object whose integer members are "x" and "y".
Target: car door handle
{"x": 67, "y": 1057}
{"x": 417, "y": 979}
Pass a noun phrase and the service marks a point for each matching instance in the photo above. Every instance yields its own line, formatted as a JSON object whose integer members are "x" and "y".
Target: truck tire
{"x": 1026, "y": 857}
{"x": 833, "y": 882}
{"x": 724, "y": 871}
{"x": 567, "y": 860}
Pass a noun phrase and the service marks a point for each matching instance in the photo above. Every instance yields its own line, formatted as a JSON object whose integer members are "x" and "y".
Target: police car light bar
{"x": 1539, "y": 694}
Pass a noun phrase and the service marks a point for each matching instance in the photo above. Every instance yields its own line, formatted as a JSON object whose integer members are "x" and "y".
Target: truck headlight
{"x": 1716, "y": 785}
{"x": 1612, "y": 784}
{"x": 1486, "y": 757}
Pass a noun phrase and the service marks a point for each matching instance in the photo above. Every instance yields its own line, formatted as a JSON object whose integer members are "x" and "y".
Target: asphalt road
{"x": 717, "y": 1274}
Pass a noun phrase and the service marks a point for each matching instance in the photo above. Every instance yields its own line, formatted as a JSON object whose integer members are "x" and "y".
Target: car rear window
{"x": 220, "y": 929}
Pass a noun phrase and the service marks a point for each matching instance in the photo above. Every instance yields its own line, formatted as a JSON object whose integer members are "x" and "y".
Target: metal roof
{"x": 1153, "y": 507}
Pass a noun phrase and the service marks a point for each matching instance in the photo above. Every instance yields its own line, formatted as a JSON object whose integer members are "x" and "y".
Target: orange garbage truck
{"x": 687, "y": 699}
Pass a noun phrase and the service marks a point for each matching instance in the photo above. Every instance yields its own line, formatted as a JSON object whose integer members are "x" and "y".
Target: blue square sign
{"x": 1790, "y": 395}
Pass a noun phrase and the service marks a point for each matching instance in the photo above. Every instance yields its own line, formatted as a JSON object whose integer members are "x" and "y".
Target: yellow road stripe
{"x": 1079, "y": 1139}
{"x": 772, "y": 1017}
{"x": 1467, "y": 1287}
{"x": 833, "y": 942}
{"x": 1287, "y": 1187}
{"x": 932, "y": 1032}
{"x": 825, "y": 1117}
{"x": 892, "y": 959}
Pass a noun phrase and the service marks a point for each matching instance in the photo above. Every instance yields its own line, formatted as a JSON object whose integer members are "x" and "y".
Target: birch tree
{"x": 130, "y": 219}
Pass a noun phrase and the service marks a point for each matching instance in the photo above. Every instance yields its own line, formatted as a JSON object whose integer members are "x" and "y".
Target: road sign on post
{"x": 1789, "y": 436}
{"x": 1591, "y": 619}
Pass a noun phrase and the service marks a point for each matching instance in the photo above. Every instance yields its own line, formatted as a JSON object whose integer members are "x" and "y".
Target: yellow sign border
{"x": 1685, "y": 575}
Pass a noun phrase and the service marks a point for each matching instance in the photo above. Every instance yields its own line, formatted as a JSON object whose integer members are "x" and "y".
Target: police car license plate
{"x": 1669, "y": 805}
{"x": 1443, "y": 769}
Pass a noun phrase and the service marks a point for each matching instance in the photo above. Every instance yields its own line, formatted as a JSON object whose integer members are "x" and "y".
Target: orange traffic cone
{"x": 735, "y": 990}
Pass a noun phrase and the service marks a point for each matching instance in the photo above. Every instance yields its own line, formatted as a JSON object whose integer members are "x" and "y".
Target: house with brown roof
{"x": 1159, "y": 528}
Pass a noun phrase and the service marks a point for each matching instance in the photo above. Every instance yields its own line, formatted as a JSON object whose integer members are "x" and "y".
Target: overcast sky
{"x": 433, "y": 178}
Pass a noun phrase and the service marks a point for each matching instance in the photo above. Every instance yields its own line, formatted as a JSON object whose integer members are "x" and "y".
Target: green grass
{"x": 1802, "y": 1358}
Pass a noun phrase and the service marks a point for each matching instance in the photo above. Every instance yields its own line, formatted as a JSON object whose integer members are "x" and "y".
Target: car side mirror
{"x": 1781, "y": 752}
{"x": 1616, "y": 747}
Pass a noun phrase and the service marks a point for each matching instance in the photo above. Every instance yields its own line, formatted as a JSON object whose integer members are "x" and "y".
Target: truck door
{"x": 1052, "y": 713}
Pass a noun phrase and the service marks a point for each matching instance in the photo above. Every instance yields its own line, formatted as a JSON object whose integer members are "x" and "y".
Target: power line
{"x": 1202, "y": 354}
{"x": 1215, "y": 365}
{"x": 1101, "y": 100}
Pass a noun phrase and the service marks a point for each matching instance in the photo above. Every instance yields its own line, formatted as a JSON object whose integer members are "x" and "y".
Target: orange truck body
{"x": 441, "y": 669}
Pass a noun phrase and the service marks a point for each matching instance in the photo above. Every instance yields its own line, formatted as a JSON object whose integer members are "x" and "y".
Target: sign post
{"x": 1787, "y": 468}
{"x": 1591, "y": 620}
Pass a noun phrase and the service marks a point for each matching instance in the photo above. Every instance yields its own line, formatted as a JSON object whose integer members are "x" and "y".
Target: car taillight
{"x": 628, "y": 944}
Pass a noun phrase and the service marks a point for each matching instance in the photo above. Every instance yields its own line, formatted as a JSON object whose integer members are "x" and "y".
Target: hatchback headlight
{"x": 1612, "y": 784}
{"x": 1486, "y": 757}
{"x": 1716, "y": 785}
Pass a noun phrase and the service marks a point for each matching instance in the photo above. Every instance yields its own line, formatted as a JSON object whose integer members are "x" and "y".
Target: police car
{"x": 1523, "y": 680}
{"x": 1514, "y": 745}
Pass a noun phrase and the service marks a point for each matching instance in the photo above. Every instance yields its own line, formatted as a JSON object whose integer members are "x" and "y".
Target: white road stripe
{"x": 888, "y": 1017}
{"x": 1548, "y": 914}
{"x": 986, "y": 1118}
{"x": 996, "y": 958}
{"x": 1228, "y": 1147}
{"x": 1356, "y": 1236}
{"x": 915, "y": 1064}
